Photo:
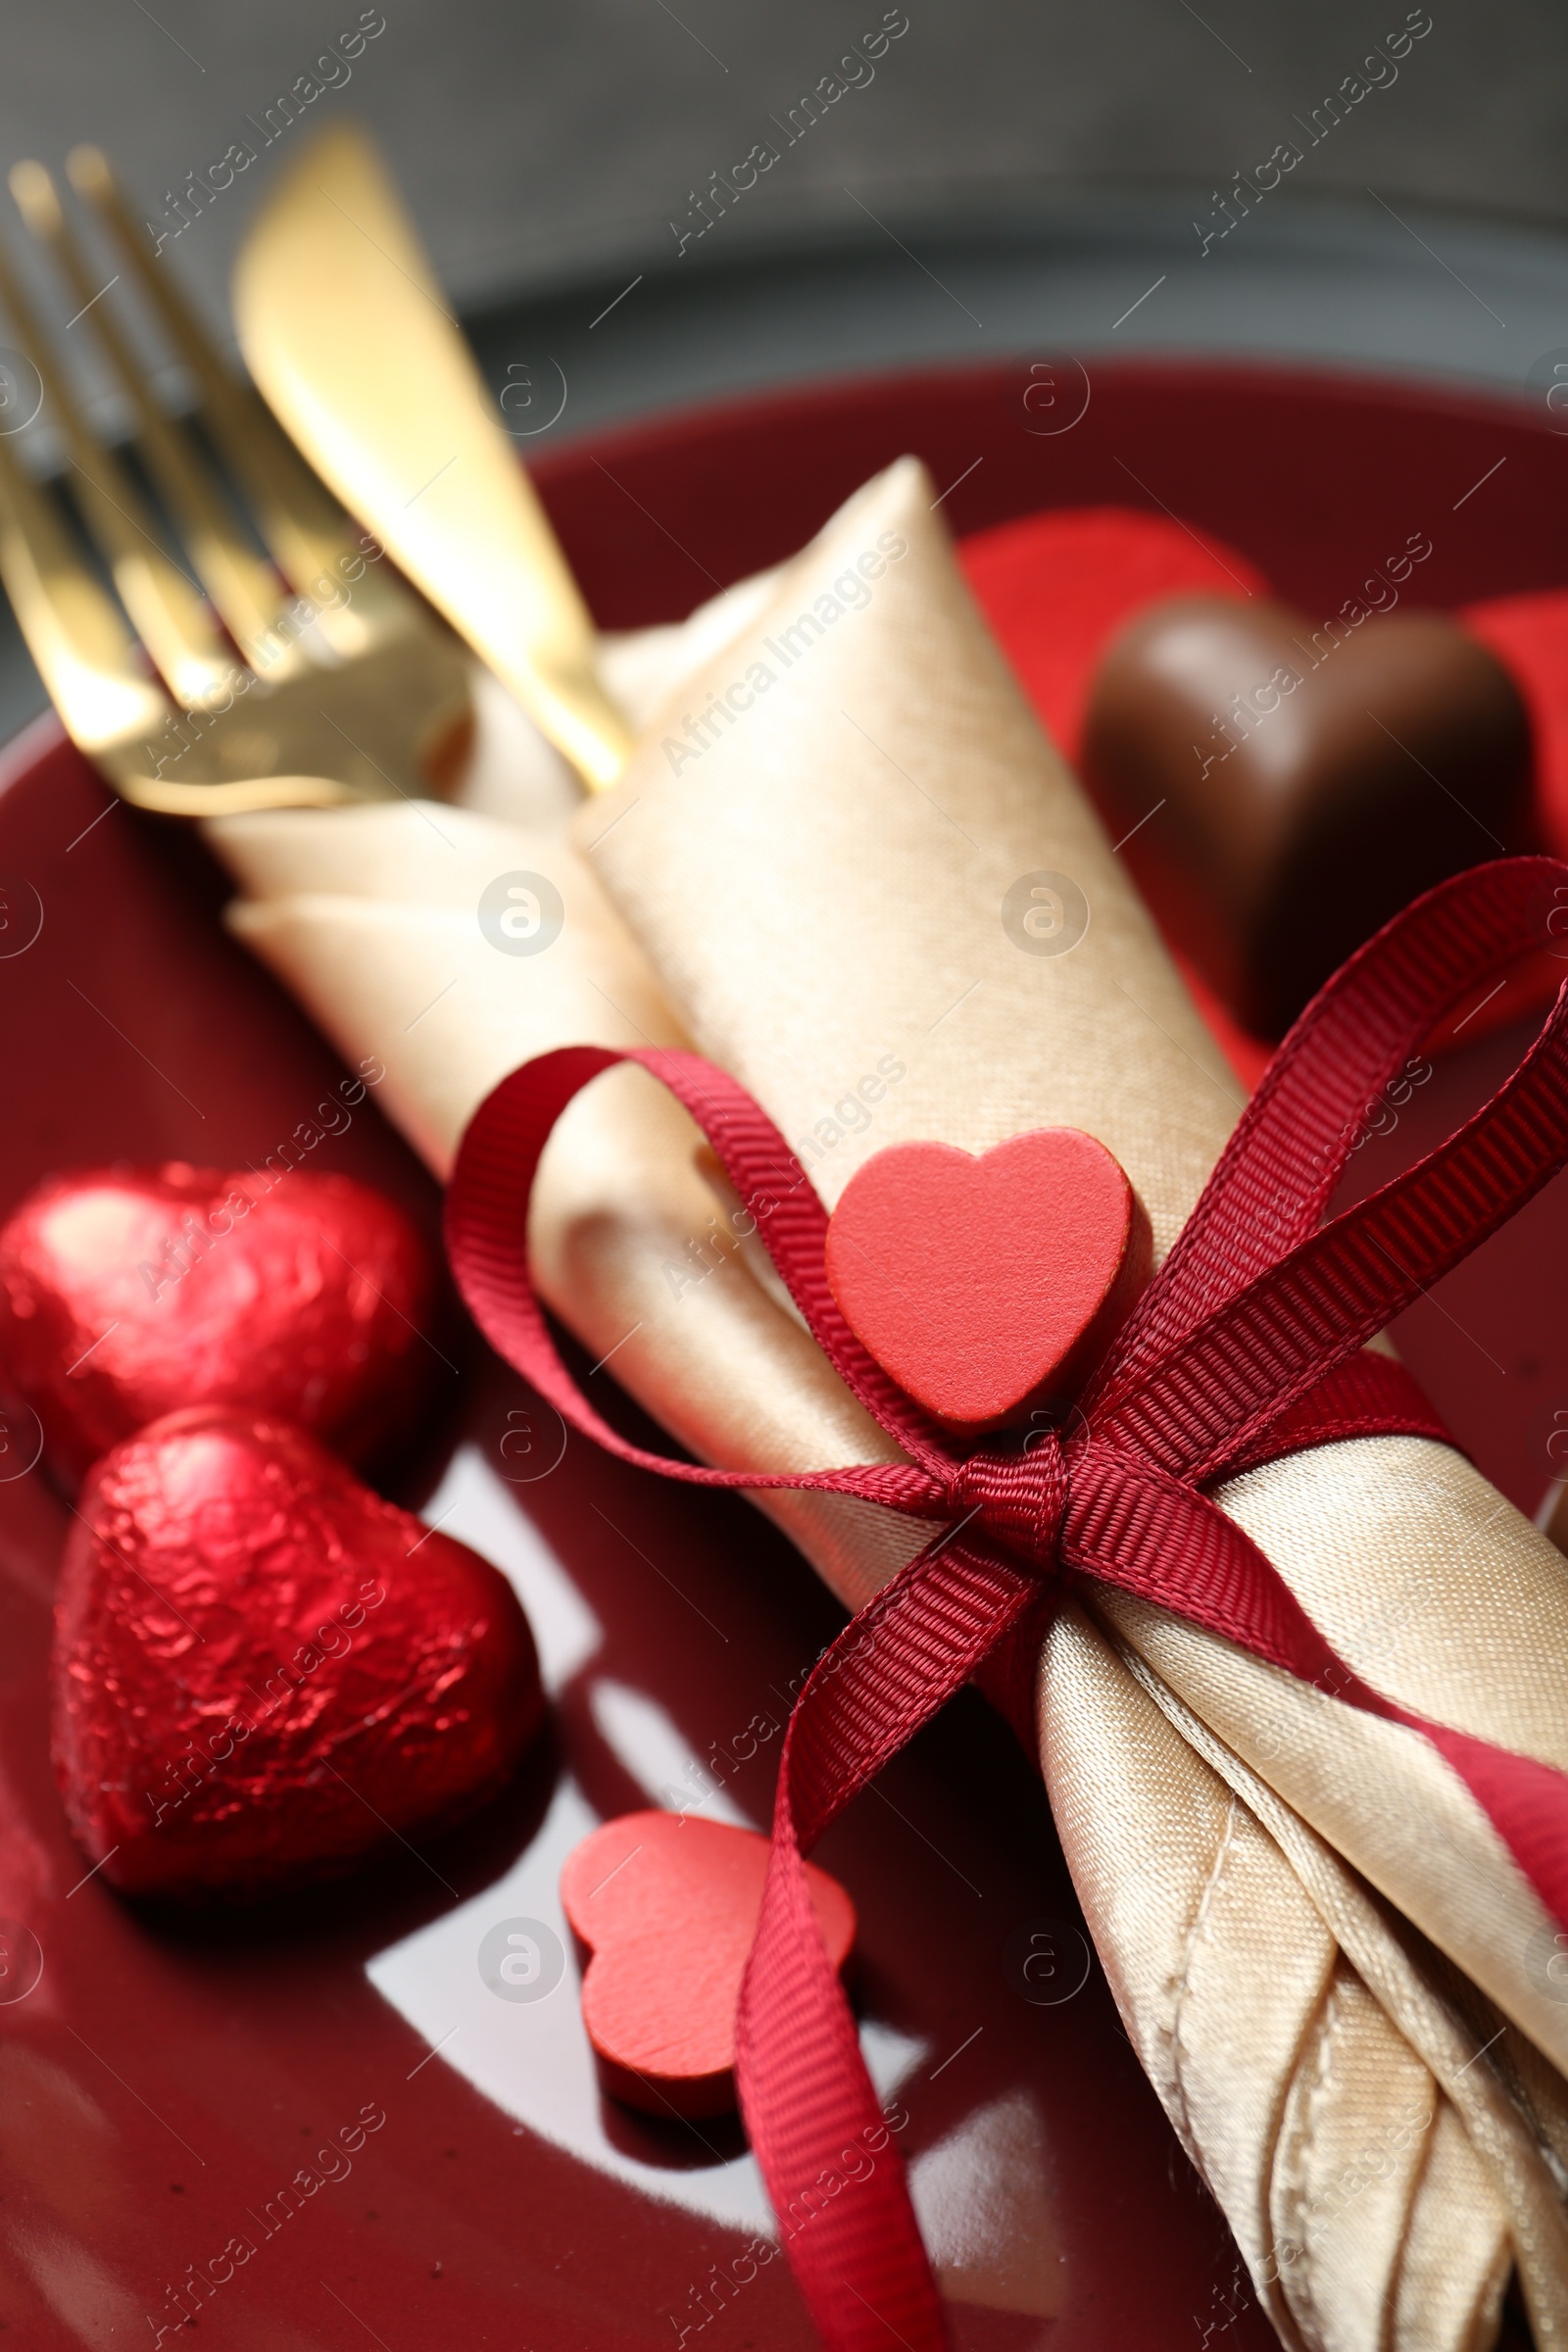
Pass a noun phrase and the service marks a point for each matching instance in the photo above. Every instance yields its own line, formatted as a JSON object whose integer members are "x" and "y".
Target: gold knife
{"x": 349, "y": 337}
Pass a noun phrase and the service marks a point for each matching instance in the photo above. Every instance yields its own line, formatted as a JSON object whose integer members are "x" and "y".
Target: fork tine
{"x": 166, "y": 606}
{"x": 238, "y": 581}
{"x": 85, "y": 655}
{"x": 302, "y": 524}
{"x": 89, "y": 662}
{"x": 387, "y": 713}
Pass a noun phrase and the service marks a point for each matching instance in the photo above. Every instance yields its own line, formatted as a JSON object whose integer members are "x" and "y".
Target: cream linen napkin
{"x": 1310, "y": 1927}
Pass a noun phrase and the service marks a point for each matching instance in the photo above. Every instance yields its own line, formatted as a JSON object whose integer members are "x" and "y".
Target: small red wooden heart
{"x": 668, "y": 1906}
{"x": 129, "y": 1292}
{"x": 262, "y": 1671}
{"x": 987, "y": 1285}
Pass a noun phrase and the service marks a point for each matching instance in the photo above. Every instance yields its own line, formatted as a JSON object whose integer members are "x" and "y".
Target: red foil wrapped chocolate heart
{"x": 262, "y": 1672}
{"x": 129, "y": 1293}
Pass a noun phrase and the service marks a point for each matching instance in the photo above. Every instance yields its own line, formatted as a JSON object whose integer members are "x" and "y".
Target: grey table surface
{"x": 992, "y": 177}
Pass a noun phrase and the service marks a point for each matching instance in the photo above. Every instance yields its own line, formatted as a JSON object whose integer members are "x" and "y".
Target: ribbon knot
{"x": 1015, "y": 1500}
{"x": 1246, "y": 1345}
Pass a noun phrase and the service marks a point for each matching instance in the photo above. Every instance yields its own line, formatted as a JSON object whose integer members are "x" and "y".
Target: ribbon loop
{"x": 1254, "y": 1251}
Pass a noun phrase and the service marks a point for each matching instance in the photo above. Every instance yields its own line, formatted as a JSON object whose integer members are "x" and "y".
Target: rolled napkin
{"x": 871, "y": 891}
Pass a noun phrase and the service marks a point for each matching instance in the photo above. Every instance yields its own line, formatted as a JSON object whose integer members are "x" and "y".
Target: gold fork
{"x": 303, "y": 676}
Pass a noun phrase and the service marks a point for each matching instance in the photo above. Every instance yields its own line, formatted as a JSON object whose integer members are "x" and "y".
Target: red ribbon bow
{"x": 1246, "y": 1345}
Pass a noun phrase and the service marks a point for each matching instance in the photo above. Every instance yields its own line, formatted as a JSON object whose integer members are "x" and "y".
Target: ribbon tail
{"x": 821, "y": 2134}
{"x": 1131, "y": 1526}
{"x": 822, "y": 2138}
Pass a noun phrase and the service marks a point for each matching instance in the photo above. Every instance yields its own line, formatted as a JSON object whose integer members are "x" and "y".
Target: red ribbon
{"x": 1246, "y": 1345}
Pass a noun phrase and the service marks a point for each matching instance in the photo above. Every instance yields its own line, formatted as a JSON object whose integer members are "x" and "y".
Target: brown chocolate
{"x": 1308, "y": 783}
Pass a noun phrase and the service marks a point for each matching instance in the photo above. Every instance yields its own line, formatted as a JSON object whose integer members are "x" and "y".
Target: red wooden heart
{"x": 129, "y": 1292}
{"x": 667, "y": 1907}
{"x": 987, "y": 1286}
{"x": 262, "y": 1671}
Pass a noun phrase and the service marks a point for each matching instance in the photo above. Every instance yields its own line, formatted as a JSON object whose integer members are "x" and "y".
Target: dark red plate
{"x": 169, "y": 2094}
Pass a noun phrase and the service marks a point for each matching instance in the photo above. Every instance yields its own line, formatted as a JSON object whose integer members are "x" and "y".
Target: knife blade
{"x": 350, "y": 339}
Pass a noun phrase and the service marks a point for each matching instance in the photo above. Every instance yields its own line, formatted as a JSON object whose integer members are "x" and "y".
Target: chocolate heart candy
{"x": 262, "y": 1672}
{"x": 667, "y": 1905}
{"x": 988, "y": 1285}
{"x": 129, "y": 1293}
{"x": 1308, "y": 782}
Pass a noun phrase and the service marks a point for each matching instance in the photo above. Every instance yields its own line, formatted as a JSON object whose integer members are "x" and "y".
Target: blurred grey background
{"x": 943, "y": 181}
{"x": 544, "y": 146}
{"x": 1000, "y": 172}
